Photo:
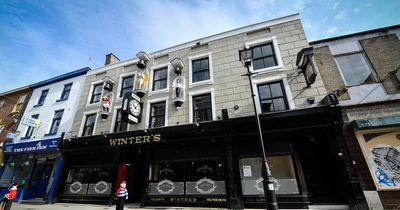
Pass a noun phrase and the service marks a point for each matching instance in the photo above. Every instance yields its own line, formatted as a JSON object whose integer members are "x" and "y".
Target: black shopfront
{"x": 216, "y": 163}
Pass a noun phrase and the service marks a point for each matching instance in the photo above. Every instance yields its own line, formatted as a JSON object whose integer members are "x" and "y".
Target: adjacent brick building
{"x": 363, "y": 70}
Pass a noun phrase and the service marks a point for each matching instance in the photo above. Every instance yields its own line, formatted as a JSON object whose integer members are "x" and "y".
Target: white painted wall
{"x": 47, "y": 110}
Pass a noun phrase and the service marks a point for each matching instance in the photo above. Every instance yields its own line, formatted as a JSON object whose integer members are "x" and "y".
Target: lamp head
{"x": 245, "y": 56}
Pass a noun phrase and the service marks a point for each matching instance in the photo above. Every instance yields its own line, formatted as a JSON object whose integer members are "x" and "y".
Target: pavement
{"x": 75, "y": 206}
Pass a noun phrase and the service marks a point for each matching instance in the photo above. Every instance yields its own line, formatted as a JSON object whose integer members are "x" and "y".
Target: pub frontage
{"x": 216, "y": 163}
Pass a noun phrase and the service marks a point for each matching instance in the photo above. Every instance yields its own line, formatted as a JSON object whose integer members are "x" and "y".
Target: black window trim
{"x": 114, "y": 127}
{"x": 193, "y": 103}
{"x": 41, "y": 95}
{"x": 165, "y": 112}
{"x": 63, "y": 92}
{"x": 154, "y": 80}
{"x": 285, "y": 98}
{"x": 121, "y": 88}
{"x": 86, "y": 116}
{"x": 53, "y": 120}
{"x": 274, "y": 54}
{"x": 201, "y": 71}
{"x": 92, "y": 95}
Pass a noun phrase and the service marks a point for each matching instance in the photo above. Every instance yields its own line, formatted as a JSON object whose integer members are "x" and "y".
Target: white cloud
{"x": 298, "y": 5}
{"x": 332, "y": 30}
{"x": 355, "y": 9}
{"x": 324, "y": 20}
{"x": 341, "y": 16}
{"x": 335, "y": 5}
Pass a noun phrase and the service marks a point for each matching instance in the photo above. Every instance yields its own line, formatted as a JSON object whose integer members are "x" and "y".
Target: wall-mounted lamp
{"x": 108, "y": 83}
{"x": 178, "y": 65}
{"x": 305, "y": 63}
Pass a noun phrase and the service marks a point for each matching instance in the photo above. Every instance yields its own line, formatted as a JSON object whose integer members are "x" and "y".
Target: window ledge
{"x": 25, "y": 138}
{"x": 50, "y": 134}
{"x": 267, "y": 70}
{"x": 154, "y": 92}
{"x": 37, "y": 105}
{"x": 93, "y": 104}
{"x": 205, "y": 82}
{"x": 59, "y": 100}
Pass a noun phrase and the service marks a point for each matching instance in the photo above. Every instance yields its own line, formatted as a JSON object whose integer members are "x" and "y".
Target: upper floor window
{"x": 200, "y": 70}
{"x": 160, "y": 79}
{"x": 272, "y": 97}
{"x": 29, "y": 132}
{"x": 1, "y": 128}
{"x": 2, "y": 103}
{"x": 157, "y": 114}
{"x": 19, "y": 104}
{"x": 202, "y": 108}
{"x": 96, "y": 93}
{"x": 355, "y": 69}
{"x": 66, "y": 91}
{"x": 119, "y": 124}
{"x": 56, "y": 122}
{"x": 88, "y": 127}
{"x": 127, "y": 85}
{"x": 42, "y": 97}
{"x": 264, "y": 56}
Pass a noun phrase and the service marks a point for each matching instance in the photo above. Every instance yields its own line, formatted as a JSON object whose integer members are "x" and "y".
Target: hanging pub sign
{"x": 178, "y": 94}
{"x": 131, "y": 108}
{"x": 305, "y": 63}
{"x": 29, "y": 121}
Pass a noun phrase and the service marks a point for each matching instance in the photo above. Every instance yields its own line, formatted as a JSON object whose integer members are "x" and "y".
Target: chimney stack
{"x": 110, "y": 59}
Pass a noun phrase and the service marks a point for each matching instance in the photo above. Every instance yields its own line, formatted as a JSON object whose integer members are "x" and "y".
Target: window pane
{"x": 196, "y": 66}
{"x": 257, "y": 52}
{"x": 200, "y": 76}
{"x": 128, "y": 82}
{"x": 355, "y": 70}
{"x": 267, "y": 50}
{"x": 258, "y": 64}
{"x": 97, "y": 89}
{"x": 200, "y": 70}
{"x": 276, "y": 89}
{"x": 204, "y": 64}
{"x": 279, "y": 104}
{"x": 166, "y": 179}
{"x": 202, "y": 110}
{"x": 160, "y": 74}
{"x": 264, "y": 91}
{"x": 157, "y": 115}
{"x": 266, "y": 106}
{"x": 205, "y": 177}
{"x": 269, "y": 61}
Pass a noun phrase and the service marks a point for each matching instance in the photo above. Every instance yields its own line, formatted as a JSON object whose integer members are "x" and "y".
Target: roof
{"x": 68, "y": 75}
{"x": 384, "y": 29}
{"x": 14, "y": 90}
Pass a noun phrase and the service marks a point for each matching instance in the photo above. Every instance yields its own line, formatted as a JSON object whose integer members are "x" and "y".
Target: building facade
{"x": 195, "y": 139}
{"x": 32, "y": 158}
{"x": 364, "y": 71}
{"x": 12, "y": 106}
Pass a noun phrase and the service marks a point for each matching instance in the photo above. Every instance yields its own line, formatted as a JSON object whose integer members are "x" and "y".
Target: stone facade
{"x": 227, "y": 85}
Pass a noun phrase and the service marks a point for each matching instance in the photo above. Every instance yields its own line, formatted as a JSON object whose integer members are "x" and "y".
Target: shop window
{"x": 160, "y": 79}
{"x": 37, "y": 173}
{"x": 120, "y": 125}
{"x": 89, "y": 181}
{"x": 22, "y": 167}
{"x": 200, "y": 70}
{"x": 264, "y": 56}
{"x": 355, "y": 69}
{"x": 127, "y": 85}
{"x": 96, "y": 93}
{"x": 272, "y": 97}
{"x": 88, "y": 128}
{"x": 202, "y": 108}
{"x": 30, "y": 129}
{"x": 157, "y": 114}
{"x": 8, "y": 172}
{"x": 281, "y": 168}
{"x": 56, "y": 122}
{"x": 66, "y": 91}
{"x": 187, "y": 178}
{"x": 42, "y": 98}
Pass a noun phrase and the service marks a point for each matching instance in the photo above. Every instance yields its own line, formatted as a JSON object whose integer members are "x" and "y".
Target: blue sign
{"x": 32, "y": 146}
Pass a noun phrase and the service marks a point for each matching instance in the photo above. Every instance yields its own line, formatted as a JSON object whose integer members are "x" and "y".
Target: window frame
{"x": 54, "y": 121}
{"x": 84, "y": 120}
{"x": 367, "y": 62}
{"x": 120, "y": 80}
{"x": 210, "y": 67}
{"x": 41, "y": 96}
{"x": 151, "y": 83}
{"x": 88, "y": 102}
{"x": 148, "y": 110}
{"x": 122, "y": 88}
{"x": 197, "y": 93}
{"x": 114, "y": 122}
{"x": 277, "y": 53}
{"x": 63, "y": 93}
{"x": 279, "y": 77}
{"x": 284, "y": 95}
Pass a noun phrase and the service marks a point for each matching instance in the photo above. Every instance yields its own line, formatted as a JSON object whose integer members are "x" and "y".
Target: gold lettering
{"x": 138, "y": 140}
{"x": 113, "y": 142}
{"x": 124, "y": 141}
{"x": 131, "y": 140}
{"x": 146, "y": 139}
{"x": 157, "y": 137}
{"x": 119, "y": 141}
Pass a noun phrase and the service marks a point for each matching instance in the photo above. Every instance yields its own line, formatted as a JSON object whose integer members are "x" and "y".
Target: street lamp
{"x": 246, "y": 56}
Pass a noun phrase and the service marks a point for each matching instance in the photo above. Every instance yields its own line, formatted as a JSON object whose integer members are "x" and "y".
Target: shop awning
{"x": 32, "y": 146}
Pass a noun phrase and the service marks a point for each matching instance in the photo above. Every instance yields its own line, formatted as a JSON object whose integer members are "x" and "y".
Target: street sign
{"x": 29, "y": 121}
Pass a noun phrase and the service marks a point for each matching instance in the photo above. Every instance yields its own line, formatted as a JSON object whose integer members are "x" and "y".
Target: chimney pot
{"x": 110, "y": 59}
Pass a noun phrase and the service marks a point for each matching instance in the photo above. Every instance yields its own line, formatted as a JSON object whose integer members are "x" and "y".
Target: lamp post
{"x": 246, "y": 55}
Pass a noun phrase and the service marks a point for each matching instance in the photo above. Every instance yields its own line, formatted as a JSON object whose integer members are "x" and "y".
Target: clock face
{"x": 134, "y": 107}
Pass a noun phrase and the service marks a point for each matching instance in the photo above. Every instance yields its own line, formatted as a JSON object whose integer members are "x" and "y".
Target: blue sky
{"x": 40, "y": 39}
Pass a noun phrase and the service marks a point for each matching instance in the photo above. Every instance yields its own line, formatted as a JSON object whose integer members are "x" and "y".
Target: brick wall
{"x": 384, "y": 54}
